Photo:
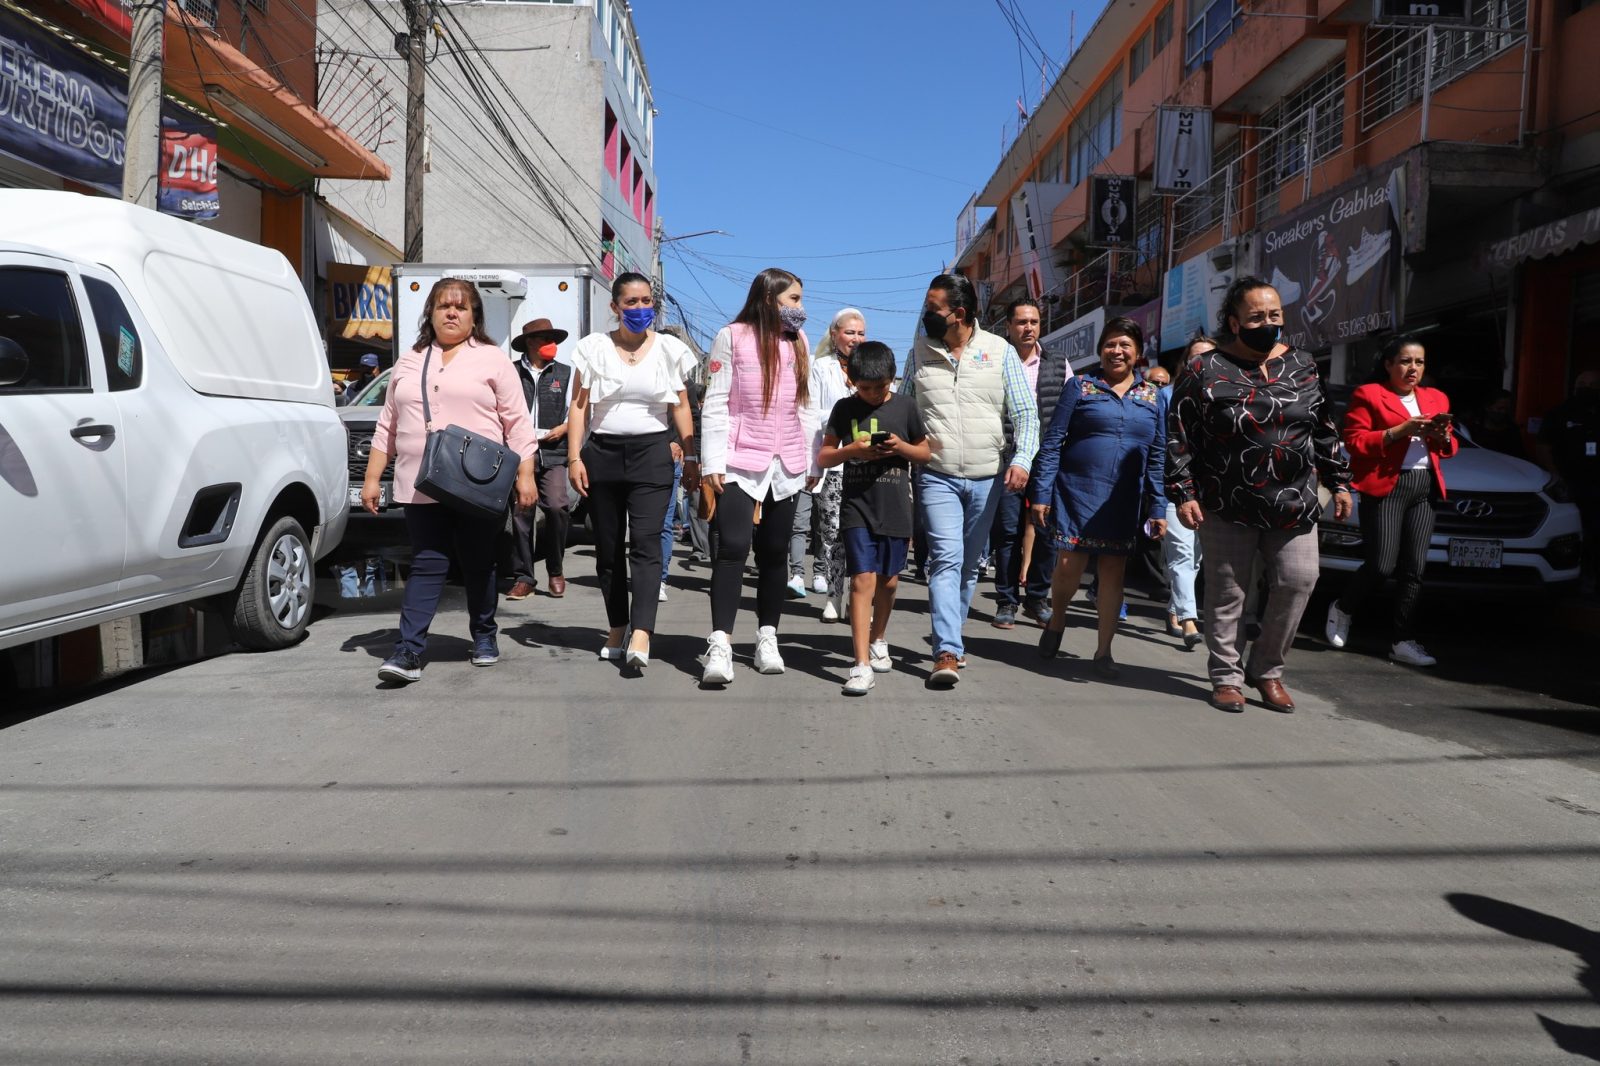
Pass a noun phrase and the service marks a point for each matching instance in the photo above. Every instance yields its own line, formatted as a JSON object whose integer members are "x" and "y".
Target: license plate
{"x": 355, "y": 495}
{"x": 1476, "y": 554}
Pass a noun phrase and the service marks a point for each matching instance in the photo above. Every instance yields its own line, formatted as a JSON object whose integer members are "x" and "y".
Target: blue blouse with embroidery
{"x": 1102, "y": 463}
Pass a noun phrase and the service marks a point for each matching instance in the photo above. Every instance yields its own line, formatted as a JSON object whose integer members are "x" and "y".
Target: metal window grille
{"x": 1399, "y": 63}
{"x": 1199, "y": 210}
{"x": 1309, "y": 122}
{"x": 201, "y": 10}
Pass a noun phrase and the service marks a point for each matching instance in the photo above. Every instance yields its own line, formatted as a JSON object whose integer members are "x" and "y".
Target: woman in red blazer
{"x": 1397, "y": 433}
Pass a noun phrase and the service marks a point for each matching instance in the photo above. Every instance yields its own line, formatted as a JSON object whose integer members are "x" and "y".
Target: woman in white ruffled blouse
{"x": 628, "y": 395}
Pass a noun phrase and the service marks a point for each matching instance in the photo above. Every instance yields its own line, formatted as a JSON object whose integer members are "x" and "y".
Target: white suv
{"x": 167, "y": 429}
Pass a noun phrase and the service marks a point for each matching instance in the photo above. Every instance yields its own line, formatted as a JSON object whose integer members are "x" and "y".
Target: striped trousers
{"x": 1395, "y": 531}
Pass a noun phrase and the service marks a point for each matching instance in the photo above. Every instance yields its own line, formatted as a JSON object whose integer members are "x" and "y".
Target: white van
{"x": 167, "y": 428}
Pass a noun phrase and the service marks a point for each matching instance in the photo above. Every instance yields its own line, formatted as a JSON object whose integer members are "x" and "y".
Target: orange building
{"x": 245, "y": 72}
{"x": 1387, "y": 165}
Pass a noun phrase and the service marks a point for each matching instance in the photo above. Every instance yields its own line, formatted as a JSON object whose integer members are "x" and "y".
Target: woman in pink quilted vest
{"x": 756, "y": 428}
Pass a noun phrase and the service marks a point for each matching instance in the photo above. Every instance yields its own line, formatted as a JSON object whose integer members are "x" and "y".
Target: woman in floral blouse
{"x": 1249, "y": 437}
{"x": 1097, "y": 477}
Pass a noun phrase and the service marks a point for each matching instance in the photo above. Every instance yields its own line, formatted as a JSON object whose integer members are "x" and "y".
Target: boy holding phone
{"x": 876, "y": 435}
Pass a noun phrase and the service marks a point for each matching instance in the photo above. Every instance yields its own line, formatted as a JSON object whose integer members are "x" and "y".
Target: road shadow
{"x": 1544, "y": 928}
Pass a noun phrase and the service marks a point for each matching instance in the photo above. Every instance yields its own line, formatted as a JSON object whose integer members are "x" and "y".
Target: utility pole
{"x": 141, "y": 164}
{"x": 418, "y": 21}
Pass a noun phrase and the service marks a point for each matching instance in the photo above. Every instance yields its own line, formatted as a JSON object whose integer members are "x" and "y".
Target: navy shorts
{"x": 866, "y": 552}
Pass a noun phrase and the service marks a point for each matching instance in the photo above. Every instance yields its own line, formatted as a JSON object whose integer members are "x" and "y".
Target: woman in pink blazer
{"x": 1397, "y": 432}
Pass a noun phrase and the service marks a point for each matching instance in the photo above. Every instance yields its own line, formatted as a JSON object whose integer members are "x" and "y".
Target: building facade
{"x": 1430, "y": 168}
{"x": 540, "y": 127}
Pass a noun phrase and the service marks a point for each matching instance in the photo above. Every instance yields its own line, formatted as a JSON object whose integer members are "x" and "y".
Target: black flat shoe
{"x": 1106, "y": 667}
{"x": 1050, "y": 642}
{"x": 1191, "y": 640}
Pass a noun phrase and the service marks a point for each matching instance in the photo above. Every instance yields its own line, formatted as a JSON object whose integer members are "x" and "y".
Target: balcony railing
{"x": 202, "y": 11}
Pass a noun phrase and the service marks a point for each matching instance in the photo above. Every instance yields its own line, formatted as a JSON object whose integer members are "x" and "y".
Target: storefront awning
{"x": 1541, "y": 242}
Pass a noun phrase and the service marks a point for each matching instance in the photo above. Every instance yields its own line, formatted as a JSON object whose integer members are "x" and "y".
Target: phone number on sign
{"x": 1365, "y": 324}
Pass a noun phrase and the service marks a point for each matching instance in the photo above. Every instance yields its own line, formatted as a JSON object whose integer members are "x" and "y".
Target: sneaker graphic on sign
{"x": 1367, "y": 254}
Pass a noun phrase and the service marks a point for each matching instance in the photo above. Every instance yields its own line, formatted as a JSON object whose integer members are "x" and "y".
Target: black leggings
{"x": 1395, "y": 531}
{"x": 630, "y": 484}
{"x": 732, "y": 531}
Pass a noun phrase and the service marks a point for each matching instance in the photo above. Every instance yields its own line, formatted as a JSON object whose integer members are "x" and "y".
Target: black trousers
{"x": 550, "y": 541}
{"x": 630, "y": 486}
{"x": 733, "y": 530}
{"x": 439, "y": 534}
{"x": 1005, "y": 540}
{"x": 1395, "y": 530}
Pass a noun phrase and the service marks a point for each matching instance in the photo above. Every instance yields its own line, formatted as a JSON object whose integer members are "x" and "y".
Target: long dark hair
{"x": 760, "y": 313}
{"x": 425, "y": 337}
{"x": 1235, "y": 296}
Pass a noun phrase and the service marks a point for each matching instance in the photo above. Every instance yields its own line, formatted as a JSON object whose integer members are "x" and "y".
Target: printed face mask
{"x": 792, "y": 317}
{"x": 638, "y": 319}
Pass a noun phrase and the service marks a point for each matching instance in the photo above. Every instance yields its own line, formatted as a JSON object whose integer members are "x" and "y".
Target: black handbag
{"x": 464, "y": 471}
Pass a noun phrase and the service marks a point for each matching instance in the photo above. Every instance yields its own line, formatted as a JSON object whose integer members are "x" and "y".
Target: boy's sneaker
{"x": 403, "y": 667}
{"x": 767, "y": 659}
{"x": 797, "y": 587}
{"x": 819, "y": 585}
{"x": 860, "y": 681}
{"x": 1410, "y": 653}
{"x": 830, "y": 610}
{"x": 1005, "y": 616}
{"x": 1038, "y": 610}
{"x": 485, "y": 652}
{"x": 717, "y": 661}
{"x": 878, "y": 656}
{"x": 1337, "y": 629}
{"x": 661, "y": 597}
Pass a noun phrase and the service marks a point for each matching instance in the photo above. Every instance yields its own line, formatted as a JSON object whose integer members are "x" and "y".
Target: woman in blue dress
{"x": 1099, "y": 477}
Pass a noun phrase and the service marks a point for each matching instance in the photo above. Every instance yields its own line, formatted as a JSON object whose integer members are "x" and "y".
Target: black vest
{"x": 546, "y": 394}
{"x": 1052, "y": 377}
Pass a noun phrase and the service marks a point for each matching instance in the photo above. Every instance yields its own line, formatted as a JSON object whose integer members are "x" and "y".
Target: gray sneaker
{"x": 1005, "y": 616}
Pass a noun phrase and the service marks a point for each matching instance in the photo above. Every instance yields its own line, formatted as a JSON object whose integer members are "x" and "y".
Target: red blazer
{"x": 1374, "y": 408}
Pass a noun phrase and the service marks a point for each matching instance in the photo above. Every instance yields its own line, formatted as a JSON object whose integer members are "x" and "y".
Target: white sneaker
{"x": 661, "y": 597}
{"x": 768, "y": 661}
{"x": 860, "y": 681}
{"x": 718, "y": 661}
{"x": 1411, "y": 653}
{"x": 819, "y": 585}
{"x": 878, "y": 656}
{"x": 797, "y": 587}
{"x": 830, "y": 610}
{"x": 1338, "y": 628}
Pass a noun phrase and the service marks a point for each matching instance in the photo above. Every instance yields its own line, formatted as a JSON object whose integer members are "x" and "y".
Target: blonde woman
{"x": 819, "y": 507}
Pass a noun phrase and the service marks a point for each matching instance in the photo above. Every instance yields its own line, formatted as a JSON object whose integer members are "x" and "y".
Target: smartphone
{"x": 880, "y": 438}
{"x": 1443, "y": 419}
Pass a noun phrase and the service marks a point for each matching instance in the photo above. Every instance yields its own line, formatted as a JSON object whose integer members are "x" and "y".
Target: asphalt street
{"x": 270, "y": 859}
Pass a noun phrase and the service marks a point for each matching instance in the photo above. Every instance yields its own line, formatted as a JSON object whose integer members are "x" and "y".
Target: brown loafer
{"x": 558, "y": 586}
{"x": 521, "y": 590}
{"x": 1227, "y": 698}
{"x": 946, "y": 669}
{"x": 1274, "y": 695}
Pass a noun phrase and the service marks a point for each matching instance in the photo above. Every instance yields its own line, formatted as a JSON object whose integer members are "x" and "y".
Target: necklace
{"x": 631, "y": 356}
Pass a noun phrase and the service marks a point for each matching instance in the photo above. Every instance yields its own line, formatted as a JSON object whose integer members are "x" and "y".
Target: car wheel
{"x": 273, "y": 605}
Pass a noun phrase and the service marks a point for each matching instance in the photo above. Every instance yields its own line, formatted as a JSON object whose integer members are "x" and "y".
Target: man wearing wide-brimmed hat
{"x": 547, "y": 386}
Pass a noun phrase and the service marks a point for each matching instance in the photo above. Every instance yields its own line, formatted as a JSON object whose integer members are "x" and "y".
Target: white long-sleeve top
{"x": 715, "y": 423}
{"x": 829, "y": 386}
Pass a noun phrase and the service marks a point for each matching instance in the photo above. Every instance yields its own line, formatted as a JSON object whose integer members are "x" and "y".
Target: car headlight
{"x": 1556, "y": 489}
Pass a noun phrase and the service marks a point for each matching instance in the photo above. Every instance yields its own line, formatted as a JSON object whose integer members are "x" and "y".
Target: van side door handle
{"x": 93, "y": 429}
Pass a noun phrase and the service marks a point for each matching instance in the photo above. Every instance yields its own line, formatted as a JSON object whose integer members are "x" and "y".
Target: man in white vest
{"x": 964, "y": 380}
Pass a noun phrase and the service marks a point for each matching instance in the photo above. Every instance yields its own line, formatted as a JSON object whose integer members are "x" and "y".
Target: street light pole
{"x": 141, "y": 163}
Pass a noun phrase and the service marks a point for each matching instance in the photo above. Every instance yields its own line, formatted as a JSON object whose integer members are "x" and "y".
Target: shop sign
{"x": 1552, "y": 238}
{"x": 1111, "y": 216}
{"x": 1334, "y": 262}
{"x": 1149, "y": 318}
{"x": 1183, "y": 149}
{"x": 1031, "y": 211}
{"x": 188, "y": 167}
{"x": 1192, "y": 292}
{"x": 360, "y": 301}
{"x": 1076, "y": 340}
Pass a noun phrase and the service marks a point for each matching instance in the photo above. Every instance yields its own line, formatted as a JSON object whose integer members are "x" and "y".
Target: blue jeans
{"x": 956, "y": 514}
{"x": 666, "y": 523}
{"x": 1180, "y": 550}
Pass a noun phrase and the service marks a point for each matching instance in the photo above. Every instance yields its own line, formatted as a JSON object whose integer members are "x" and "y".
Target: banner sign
{"x": 1192, "y": 294}
{"x": 1111, "y": 217}
{"x": 360, "y": 301}
{"x": 1076, "y": 340}
{"x": 1334, "y": 262}
{"x": 1031, "y": 210}
{"x": 966, "y": 225}
{"x": 1552, "y": 238}
{"x": 1183, "y": 149}
{"x": 1422, "y": 11}
{"x": 65, "y": 112}
{"x": 188, "y": 167}
{"x": 111, "y": 13}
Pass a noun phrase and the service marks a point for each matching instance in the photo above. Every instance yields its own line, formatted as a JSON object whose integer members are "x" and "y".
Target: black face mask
{"x": 935, "y": 325}
{"x": 1260, "y": 338}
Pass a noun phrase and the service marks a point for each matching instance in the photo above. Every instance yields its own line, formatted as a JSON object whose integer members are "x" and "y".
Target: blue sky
{"x": 818, "y": 134}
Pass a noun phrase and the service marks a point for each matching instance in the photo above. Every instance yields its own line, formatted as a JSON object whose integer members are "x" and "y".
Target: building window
{"x": 1096, "y": 130}
{"x": 1163, "y": 29}
{"x": 626, "y": 169}
{"x": 1211, "y": 22}
{"x": 649, "y": 211}
{"x": 1138, "y": 57}
{"x": 638, "y": 193}
{"x": 608, "y": 250}
{"x": 1398, "y": 63}
{"x": 1049, "y": 168}
{"x": 1307, "y": 125}
{"x": 613, "y": 141}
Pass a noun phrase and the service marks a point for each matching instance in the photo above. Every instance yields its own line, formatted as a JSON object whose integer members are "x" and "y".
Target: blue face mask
{"x": 638, "y": 319}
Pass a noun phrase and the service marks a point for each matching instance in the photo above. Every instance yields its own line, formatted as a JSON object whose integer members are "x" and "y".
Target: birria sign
{"x": 1333, "y": 262}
